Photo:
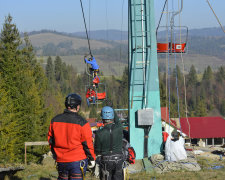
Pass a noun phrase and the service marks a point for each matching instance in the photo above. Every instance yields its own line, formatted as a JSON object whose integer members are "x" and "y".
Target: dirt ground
{"x": 216, "y": 152}
{"x": 209, "y": 159}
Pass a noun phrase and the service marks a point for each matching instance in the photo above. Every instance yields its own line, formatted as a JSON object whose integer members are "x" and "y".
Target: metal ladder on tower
{"x": 140, "y": 47}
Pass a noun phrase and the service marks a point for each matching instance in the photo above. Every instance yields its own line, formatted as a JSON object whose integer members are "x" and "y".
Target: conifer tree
{"x": 201, "y": 109}
{"x": 220, "y": 75}
{"x": 192, "y": 76}
{"x": 58, "y": 69}
{"x": 50, "y": 70}
{"x": 208, "y": 74}
{"x": 222, "y": 108}
{"x": 24, "y": 82}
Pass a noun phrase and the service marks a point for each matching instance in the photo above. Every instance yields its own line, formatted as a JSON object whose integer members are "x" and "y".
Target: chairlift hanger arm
{"x": 176, "y": 13}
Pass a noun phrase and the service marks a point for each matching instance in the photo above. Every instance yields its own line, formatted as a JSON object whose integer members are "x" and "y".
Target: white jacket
{"x": 174, "y": 150}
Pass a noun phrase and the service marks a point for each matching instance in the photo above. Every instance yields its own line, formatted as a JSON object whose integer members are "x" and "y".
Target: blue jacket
{"x": 93, "y": 63}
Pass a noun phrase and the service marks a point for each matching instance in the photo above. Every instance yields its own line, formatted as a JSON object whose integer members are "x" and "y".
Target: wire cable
{"x": 85, "y": 27}
{"x": 106, "y": 17}
{"x": 89, "y": 31}
{"x": 175, "y": 64}
{"x": 185, "y": 89}
{"x": 215, "y": 16}
{"x": 161, "y": 15}
{"x": 121, "y": 28}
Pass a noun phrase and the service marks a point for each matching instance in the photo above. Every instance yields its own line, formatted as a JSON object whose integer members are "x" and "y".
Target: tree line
{"x": 203, "y": 92}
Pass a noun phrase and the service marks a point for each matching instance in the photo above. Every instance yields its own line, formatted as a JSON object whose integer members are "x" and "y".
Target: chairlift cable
{"x": 85, "y": 27}
{"x": 215, "y": 16}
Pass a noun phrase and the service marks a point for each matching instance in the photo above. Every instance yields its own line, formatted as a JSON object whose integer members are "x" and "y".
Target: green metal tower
{"x": 144, "y": 98}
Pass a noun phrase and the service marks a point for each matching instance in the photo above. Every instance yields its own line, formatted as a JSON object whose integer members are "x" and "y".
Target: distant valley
{"x": 206, "y": 47}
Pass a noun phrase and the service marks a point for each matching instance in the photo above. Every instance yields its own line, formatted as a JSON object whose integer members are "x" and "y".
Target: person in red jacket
{"x": 96, "y": 80}
{"x": 70, "y": 139}
{"x": 90, "y": 96}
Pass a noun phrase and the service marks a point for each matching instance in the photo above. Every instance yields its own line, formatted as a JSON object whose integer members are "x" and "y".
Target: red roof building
{"x": 203, "y": 127}
{"x": 197, "y": 127}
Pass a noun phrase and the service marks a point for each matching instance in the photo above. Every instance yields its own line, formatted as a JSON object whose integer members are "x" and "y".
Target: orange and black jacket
{"x": 70, "y": 137}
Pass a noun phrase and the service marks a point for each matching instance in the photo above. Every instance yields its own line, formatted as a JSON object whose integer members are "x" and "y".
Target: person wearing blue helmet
{"x": 108, "y": 145}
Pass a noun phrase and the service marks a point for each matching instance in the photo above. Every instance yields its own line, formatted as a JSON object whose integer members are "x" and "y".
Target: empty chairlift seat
{"x": 101, "y": 96}
{"x": 166, "y": 47}
{"x": 172, "y": 41}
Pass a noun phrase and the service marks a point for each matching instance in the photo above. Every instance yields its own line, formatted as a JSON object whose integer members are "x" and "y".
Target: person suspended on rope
{"x": 94, "y": 65}
{"x": 174, "y": 148}
{"x": 90, "y": 96}
{"x": 108, "y": 145}
{"x": 70, "y": 138}
{"x": 96, "y": 80}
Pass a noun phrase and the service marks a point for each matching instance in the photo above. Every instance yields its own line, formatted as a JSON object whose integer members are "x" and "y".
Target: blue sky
{"x": 66, "y": 15}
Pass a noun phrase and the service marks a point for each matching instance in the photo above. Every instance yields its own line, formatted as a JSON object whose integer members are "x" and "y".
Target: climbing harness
{"x": 125, "y": 170}
{"x": 105, "y": 173}
{"x": 82, "y": 165}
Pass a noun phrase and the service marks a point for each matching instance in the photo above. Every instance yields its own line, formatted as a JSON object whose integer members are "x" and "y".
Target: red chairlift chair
{"x": 176, "y": 47}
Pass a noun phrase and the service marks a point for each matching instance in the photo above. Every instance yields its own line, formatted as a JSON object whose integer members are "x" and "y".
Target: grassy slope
{"x": 199, "y": 61}
{"x": 115, "y": 67}
{"x": 34, "y": 172}
{"x": 39, "y": 40}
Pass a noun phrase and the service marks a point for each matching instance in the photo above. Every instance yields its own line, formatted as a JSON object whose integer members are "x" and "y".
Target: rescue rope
{"x": 85, "y": 28}
{"x": 168, "y": 71}
{"x": 121, "y": 28}
{"x": 106, "y": 17}
{"x": 175, "y": 63}
{"x": 167, "y": 55}
{"x": 185, "y": 89}
{"x": 215, "y": 16}
{"x": 89, "y": 31}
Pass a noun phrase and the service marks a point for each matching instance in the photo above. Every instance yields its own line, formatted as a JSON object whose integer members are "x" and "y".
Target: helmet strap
{"x": 107, "y": 121}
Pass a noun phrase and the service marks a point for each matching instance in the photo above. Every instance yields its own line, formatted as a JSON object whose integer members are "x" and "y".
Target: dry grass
{"x": 39, "y": 40}
{"x": 48, "y": 172}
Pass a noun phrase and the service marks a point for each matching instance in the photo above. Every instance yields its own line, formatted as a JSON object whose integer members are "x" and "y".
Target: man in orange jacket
{"x": 70, "y": 139}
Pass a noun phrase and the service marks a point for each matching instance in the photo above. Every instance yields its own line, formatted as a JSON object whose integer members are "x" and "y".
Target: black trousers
{"x": 111, "y": 170}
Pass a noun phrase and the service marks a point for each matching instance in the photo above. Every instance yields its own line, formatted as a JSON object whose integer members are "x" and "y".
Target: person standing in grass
{"x": 70, "y": 139}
